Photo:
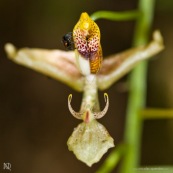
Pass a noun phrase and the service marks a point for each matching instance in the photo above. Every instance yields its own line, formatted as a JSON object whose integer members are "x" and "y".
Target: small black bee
{"x": 68, "y": 42}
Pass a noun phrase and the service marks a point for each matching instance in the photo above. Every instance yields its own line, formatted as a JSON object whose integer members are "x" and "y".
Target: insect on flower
{"x": 68, "y": 42}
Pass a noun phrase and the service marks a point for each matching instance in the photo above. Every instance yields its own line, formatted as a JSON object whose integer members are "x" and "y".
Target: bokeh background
{"x": 34, "y": 119}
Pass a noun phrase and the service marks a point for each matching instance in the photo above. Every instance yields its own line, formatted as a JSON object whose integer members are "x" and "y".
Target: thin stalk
{"x": 116, "y": 16}
{"x": 137, "y": 95}
{"x": 153, "y": 113}
{"x": 112, "y": 160}
{"x": 90, "y": 94}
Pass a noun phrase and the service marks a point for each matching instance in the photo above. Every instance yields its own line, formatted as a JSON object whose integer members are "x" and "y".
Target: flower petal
{"x": 58, "y": 64}
{"x": 116, "y": 66}
{"x": 90, "y": 141}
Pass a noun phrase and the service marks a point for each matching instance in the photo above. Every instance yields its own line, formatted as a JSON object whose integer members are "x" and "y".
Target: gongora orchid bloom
{"x": 84, "y": 70}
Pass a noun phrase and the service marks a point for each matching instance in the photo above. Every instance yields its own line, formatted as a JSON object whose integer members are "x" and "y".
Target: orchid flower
{"x": 84, "y": 70}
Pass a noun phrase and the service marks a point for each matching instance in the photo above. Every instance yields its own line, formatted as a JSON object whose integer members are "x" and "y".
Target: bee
{"x": 68, "y": 42}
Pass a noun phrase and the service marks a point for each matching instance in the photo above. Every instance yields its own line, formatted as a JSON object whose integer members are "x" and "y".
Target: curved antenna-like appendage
{"x": 99, "y": 115}
{"x": 77, "y": 115}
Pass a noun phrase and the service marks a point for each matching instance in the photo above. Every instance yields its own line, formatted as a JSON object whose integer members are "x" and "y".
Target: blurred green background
{"x": 34, "y": 119}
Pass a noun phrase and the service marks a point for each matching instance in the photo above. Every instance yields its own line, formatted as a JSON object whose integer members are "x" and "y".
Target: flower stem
{"x": 112, "y": 160}
{"x": 118, "y": 16}
{"x": 154, "y": 113}
{"x": 90, "y": 94}
{"x": 137, "y": 95}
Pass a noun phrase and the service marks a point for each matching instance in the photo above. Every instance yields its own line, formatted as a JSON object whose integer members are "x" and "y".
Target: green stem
{"x": 112, "y": 160}
{"x": 118, "y": 16}
{"x": 137, "y": 95}
{"x": 156, "y": 113}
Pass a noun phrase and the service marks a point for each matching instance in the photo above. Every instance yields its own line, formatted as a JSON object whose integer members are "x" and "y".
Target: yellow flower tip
{"x": 70, "y": 97}
{"x": 84, "y": 15}
{"x": 85, "y": 24}
{"x": 106, "y": 97}
{"x": 10, "y": 50}
{"x": 158, "y": 37}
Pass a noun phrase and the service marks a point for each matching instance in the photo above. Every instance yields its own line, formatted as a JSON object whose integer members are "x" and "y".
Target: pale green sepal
{"x": 90, "y": 141}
